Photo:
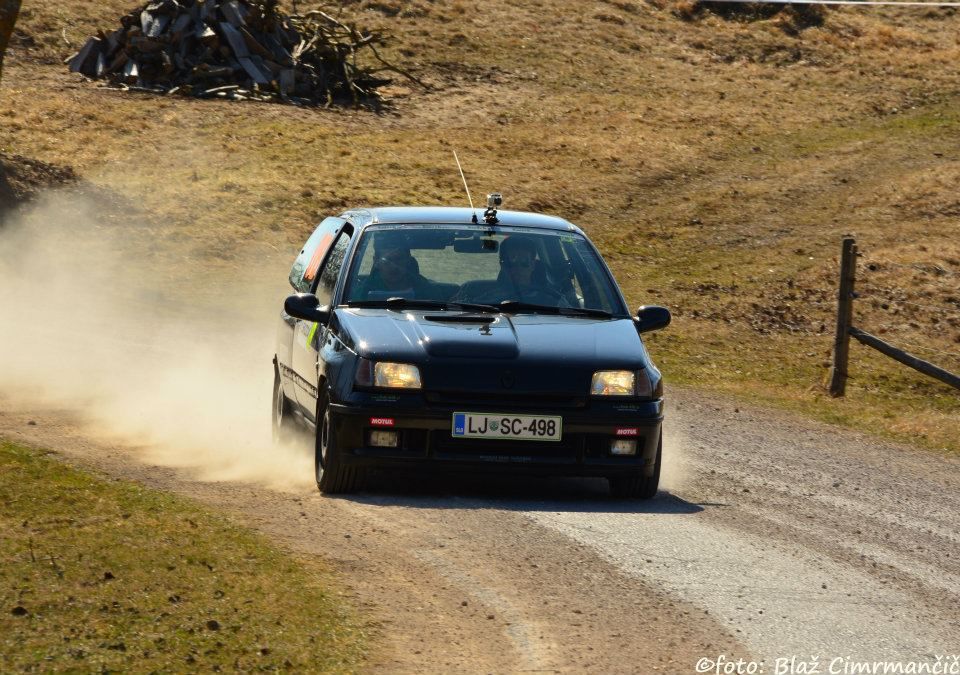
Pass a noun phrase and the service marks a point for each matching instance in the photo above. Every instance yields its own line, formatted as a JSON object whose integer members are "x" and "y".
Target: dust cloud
{"x": 158, "y": 347}
{"x": 675, "y": 469}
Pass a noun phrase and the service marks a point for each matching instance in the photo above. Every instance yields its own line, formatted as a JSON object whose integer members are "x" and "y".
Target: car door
{"x": 303, "y": 276}
{"x": 308, "y": 336}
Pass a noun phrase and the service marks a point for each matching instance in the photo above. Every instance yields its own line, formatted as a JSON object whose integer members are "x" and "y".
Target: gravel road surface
{"x": 774, "y": 539}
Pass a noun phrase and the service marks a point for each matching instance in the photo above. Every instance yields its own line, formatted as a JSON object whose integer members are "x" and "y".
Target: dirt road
{"x": 775, "y": 539}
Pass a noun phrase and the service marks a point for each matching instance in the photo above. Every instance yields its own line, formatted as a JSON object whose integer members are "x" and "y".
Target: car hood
{"x": 466, "y": 353}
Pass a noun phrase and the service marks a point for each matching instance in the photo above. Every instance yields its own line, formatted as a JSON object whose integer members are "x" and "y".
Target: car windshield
{"x": 525, "y": 269}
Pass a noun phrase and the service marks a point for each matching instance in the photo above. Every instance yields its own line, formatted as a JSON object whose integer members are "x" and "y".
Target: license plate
{"x": 505, "y": 426}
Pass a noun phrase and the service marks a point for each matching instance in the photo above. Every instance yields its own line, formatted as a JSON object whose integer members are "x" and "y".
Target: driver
{"x": 522, "y": 276}
{"x": 518, "y": 256}
{"x": 395, "y": 272}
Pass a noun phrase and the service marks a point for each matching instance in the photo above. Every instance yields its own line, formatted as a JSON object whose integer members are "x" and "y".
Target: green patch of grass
{"x": 108, "y": 575}
{"x": 915, "y": 125}
{"x": 789, "y": 372}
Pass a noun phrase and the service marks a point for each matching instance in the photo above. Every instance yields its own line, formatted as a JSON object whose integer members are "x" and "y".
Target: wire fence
{"x": 930, "y": 350}
{"x": 945, "y": 311}
{"x": 936, "y": 270}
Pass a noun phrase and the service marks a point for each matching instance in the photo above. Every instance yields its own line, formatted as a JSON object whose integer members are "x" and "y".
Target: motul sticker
{"x": 381, "y": 421}
{"x": 628, "y": 431}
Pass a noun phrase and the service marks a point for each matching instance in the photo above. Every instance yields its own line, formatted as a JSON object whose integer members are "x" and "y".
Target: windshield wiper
{"x": 512, "y": 306}
{"x": 519, "y": 306}
{"x": 507, "y": 306}
{"x": 585, "y": 311}
{"x": 414, "y": 303}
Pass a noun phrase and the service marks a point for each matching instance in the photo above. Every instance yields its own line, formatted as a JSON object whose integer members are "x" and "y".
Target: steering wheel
{"x": 542, "y": 296}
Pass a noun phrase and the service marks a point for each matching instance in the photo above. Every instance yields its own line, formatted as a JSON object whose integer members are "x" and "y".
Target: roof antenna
{"x": 465, "y": 187}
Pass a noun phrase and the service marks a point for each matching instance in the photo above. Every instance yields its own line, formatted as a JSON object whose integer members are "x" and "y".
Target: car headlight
{"x": 646, "y": 383}
{"x": 387, "y": 375}
{"x": 613, "y": 383}
{"x": 396, "y": 375}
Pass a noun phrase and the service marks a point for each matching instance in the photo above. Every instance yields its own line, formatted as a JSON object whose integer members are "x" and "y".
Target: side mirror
{"x": 652, "y": 317}
{"x": 306, "y": 306}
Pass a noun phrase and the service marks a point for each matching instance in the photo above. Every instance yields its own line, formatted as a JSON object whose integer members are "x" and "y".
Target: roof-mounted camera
{"x": 494, "y": 200}
{"x": 493, "y": 203}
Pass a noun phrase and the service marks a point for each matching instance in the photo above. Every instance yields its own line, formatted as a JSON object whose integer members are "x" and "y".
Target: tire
{"x": 638, "y": 486}
{"x": 332, "y": 476}
{"x": 281, "y": 413}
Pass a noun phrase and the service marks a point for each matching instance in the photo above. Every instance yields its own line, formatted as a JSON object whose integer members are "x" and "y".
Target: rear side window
{"x": 307, "y": 265}
{"x": 331, "y": 271}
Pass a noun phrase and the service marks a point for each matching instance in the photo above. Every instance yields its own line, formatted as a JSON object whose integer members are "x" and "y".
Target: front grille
{"x": 413, "y": 439}
{"x": 505, "y": 400}
{"x": 596, "y": 445}
{"x": 444, "y": 446}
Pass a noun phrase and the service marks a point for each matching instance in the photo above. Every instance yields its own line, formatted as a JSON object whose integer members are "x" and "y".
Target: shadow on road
{"x": 510, "y": 493}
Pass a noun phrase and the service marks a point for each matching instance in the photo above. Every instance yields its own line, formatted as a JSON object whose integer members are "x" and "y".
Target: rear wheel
{"x": 282, "y": 412}
{"x": 638, "y": 486}
{"x": 332, "y": 476}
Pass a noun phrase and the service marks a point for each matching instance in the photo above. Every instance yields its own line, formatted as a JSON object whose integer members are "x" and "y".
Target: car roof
{"x": 453, "y": 215}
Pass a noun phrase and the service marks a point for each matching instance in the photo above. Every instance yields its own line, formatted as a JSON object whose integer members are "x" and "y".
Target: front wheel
{"x": 638, "y": 486}
{"x": 332, "y": 476}
{"x": 281, "y": 413}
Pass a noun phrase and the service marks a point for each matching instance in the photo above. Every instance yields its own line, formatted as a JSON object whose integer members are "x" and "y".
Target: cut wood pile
{"x": 237, "y": 49}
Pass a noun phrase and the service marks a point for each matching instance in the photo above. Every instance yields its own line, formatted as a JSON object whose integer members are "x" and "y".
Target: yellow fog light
{"x": 623, "y": 447}
{"x": 612, "y": 383}
{"x": 396, "y": 375}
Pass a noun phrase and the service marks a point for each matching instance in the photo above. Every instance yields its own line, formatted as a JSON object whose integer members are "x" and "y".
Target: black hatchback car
{"x": 431, "y": 338}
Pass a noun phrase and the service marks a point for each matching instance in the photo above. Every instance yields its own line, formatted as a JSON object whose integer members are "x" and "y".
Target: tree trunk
{"x": 9, "y": 9}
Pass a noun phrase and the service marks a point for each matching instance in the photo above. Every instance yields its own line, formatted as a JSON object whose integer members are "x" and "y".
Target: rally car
{"x": 439, "y": 338}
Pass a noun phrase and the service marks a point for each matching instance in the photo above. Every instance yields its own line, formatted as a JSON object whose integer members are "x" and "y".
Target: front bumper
{"x": 425, "y": 440}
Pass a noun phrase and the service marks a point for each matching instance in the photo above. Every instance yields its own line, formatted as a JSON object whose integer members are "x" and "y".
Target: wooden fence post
{"x": 841, "y": 344}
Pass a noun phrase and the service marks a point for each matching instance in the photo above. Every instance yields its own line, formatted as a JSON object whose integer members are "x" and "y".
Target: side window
{"x": 331, "y": 271}
{"x": 307, "y": 265}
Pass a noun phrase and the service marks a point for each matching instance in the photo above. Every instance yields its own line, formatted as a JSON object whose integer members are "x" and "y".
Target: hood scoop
{"x": 461, "y": 318}
{"x": 468, "y": 336}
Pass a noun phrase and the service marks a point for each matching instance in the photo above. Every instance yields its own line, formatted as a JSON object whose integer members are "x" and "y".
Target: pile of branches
{"x": 237, "y": 49}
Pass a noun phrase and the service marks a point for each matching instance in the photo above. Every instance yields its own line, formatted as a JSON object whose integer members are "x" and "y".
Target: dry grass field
{"x": 716, "y": 158}
{"x": 105, "y": 575}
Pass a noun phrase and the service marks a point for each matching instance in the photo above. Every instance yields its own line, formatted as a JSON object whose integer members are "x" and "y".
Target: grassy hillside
{"x": 109, "y": 576}
{"x": 717, "y": 159}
